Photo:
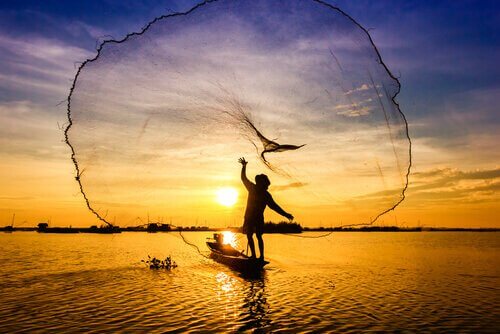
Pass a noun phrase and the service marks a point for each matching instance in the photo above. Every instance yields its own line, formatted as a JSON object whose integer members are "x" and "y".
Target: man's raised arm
{"x": 244, "y": 178}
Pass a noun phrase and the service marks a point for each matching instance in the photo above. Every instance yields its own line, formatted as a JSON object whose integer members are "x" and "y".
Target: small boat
{"x": 233, "y": 258}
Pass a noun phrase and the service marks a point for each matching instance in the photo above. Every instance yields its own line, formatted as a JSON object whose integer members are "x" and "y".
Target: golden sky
{"x": 140, "y": 158}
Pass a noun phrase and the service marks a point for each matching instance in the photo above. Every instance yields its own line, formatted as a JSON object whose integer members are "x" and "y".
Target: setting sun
{"x": 226, "y": 196}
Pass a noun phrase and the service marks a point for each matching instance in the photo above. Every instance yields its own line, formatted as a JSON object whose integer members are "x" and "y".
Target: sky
{"x": 444, "y": 55}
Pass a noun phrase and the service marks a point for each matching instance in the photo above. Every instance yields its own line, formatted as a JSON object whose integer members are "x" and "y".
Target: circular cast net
{"x": 159, "y": 119}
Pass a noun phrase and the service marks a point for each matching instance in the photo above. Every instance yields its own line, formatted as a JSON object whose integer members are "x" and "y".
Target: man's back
{"x": 259, "y": 197}
{"x": 257, "y": 200}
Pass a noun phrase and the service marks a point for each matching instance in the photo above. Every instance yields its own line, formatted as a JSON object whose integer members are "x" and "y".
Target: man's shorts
{"x": 251, "y": 226}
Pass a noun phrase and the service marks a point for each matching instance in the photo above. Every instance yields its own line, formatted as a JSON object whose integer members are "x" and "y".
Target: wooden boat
{"x": 233, "y": 258}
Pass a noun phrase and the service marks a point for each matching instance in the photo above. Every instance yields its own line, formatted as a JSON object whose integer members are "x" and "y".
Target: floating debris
{"x": 155, "y": 263}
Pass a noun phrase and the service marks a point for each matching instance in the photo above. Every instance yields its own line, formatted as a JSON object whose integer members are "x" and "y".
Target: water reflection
{"x": 229, "y": 238}
{"x": 226, "y": 283}
{"x": 226, "y": 295}
{"x": 255, "y": 308}
{"x": 245, "y": 301}
{"x": 385, "y": 282}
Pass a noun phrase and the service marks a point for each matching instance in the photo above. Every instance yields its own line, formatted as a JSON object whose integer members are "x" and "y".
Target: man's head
{"x": 262, "y": 181}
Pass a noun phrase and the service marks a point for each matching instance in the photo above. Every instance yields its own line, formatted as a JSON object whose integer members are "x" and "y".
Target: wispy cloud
{"x": 29, "y": 130}
{"x": 353, "y": 110}
{"x": 289, "y": 186}
{"x": 361, "y": 88}
{"x": 448, "y": 186}
{"x": 45, "y": 66}
{"x": 457, "y": 175}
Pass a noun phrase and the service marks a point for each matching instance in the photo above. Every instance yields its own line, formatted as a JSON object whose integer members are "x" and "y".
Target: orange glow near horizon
{"x": 53, "y": 195}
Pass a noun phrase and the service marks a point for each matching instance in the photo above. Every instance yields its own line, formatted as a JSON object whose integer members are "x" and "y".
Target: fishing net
{"x": 159, "y": 119}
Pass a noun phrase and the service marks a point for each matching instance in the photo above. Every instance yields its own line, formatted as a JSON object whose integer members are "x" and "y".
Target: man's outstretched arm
{"x": 274, "y": 206}
{"x": 244, "y": 178}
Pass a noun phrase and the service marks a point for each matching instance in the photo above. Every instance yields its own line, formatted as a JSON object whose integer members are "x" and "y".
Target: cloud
{"x": 37, "y": 67}
{"x": 361, "y": 88}
{"x": 289, "y": 186}
{"x": 29, "y": 130}
{"x": 355, "y": 111}
{"x": 457, "y": 175}
{"x": 464, "y": 130}
{"x": 35, "y": 75}
{"x": 448, "y": 186}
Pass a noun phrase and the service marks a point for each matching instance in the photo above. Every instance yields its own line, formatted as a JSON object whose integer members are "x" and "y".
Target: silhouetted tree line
{"x": 282, "y": 227}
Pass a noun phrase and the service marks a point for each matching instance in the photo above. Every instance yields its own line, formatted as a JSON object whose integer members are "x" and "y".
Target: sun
{"x": 226, "y": 196}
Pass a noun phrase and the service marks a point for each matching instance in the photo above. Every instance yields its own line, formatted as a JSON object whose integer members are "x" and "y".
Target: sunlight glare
{"x": 226, "y": 196}
{"x": 225, "y": 281}
{"x": 229, "y": 238}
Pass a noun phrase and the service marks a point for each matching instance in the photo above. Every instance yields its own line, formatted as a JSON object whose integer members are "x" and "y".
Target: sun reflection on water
{"x": 226, "y": 293}
{"x": 226, "y": 282}
{"x": 229, "y": 238}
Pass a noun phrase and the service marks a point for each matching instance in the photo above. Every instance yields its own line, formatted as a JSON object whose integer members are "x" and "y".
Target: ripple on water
{"x": 114, "y": 292}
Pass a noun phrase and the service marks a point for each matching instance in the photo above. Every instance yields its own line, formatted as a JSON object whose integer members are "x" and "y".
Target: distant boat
{"x": 43, "y": 227}
{"x": 108, "y": 229}
{"x": 64, "y": 230}
{"x": 233, "y": 258}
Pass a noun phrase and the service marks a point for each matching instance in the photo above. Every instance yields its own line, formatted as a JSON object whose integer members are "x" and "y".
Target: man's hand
{"x": 242, "y": 161}
{"x": 289, "y": 216}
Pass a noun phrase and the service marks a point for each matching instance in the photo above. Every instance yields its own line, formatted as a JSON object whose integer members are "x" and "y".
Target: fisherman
{"x": 258, "y": 198}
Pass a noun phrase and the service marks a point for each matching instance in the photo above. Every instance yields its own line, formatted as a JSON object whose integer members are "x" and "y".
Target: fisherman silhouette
{"x": 258, "y": 199}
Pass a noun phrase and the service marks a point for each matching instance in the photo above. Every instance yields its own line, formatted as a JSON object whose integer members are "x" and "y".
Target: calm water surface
{"x": 347, "y": 282}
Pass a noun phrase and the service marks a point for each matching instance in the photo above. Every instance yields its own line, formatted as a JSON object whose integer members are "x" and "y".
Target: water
{"x": 347, "y": 282}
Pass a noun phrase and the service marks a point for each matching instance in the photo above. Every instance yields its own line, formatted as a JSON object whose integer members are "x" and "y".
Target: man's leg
{"x": 261, "y": 245}
{"x": 251, "y": 244}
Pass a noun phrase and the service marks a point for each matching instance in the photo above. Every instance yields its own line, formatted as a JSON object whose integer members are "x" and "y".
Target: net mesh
{"x": 158, "y": 119}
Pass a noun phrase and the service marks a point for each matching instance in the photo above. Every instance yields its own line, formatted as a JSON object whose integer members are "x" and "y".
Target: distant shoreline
{"x": 107, "y": 230}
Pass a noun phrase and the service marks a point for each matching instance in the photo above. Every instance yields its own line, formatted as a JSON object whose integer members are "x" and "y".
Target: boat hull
{"x": 234, "y": 259}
